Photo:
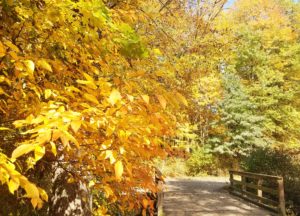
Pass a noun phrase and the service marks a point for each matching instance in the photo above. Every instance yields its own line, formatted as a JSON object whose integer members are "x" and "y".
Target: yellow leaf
{"x": 53, "y": 148}
{"x": 39, "y": 152}
{"x": 21, "y": 150}
{"x": 122, "y": 150}
{"x": 61, "y": 109}
{"x": 64, "y": 141}
{"x": 36, "y": 91}
{"x": 43, "y": 194}
{"x": 14, "y": 55}
{"x": 106, "y": 144}
{"x": 130, "y": 97}
{"x": 147, "y": 141}
{"x": 44, "y": 65}
{"x": 72, "y": 88}
{"x": 4, "y": 128}
{"x": 2, "y": 91}
{"x": 109, "y": 154}
{"x": 91, "y": 98}
{"x": 31, "y": 190}
{"x": 136, "y": 74}
{"x": 182, "y": 99}
{"x": 75, "y": 125}
{"x": 40, "y": 204}
{"x": 91, "y": 183}
{"x": 156, "y": 51}
{"x": 44, "y": 137}
{"x": 110, "y": 130}
{"x": 69, "y": 137}
{"x": 47, "y": 93}
{"x": 4, "y": 79}
{"x": 56, "y": 134}
{"x": 19, "y": 123}
{"x": 114, "y": 97}
{"x": 71, "y": 180}
{"x": 118, "y": 170}
{"x": 162, "y": 101}
{"x": 30, "y": 66}
{"x": 34, "y": 202}
{"x": 159, "y": 73}
{"x": 108, "y": 191}
{"x": 89, "y": 83}
{"x": 95, "y": 70}
{"x": 11, "y": 45}
{"x": 88, "y": 77}
{"x": 13, "y": 184}
{"x": 146, "y": 98}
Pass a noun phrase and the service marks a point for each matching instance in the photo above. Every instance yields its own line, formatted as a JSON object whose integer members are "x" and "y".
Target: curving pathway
{"x": 204, "y": 196}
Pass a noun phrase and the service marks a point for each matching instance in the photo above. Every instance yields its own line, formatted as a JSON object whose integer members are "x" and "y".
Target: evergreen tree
{"x": 238, "y": 130}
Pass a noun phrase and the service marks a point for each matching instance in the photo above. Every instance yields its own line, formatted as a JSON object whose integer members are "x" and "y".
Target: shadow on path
{"x": 205, "y": 196}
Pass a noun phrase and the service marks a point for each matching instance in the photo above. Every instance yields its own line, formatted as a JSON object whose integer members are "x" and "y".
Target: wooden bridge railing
{"x": 253, "y": 187}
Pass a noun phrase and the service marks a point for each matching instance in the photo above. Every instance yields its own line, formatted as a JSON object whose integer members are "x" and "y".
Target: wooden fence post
{"x": 281, "y": 206}
{"x": 231, "y": 180}
{"x": 259, "y": 191}
{"x": 244, "y": 181}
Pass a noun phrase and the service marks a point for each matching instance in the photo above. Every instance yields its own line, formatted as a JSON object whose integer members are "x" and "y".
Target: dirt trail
{"x": 204, "y": 196}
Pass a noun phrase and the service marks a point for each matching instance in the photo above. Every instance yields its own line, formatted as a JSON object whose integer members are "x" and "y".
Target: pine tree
{"x": 242, "y": 129}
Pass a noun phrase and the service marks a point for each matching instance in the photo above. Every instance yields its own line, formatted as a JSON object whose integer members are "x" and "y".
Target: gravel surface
{"x": 204, "y": 196}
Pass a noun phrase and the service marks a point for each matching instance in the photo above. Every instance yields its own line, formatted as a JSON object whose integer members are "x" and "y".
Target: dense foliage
{"x": 80, "y": 92}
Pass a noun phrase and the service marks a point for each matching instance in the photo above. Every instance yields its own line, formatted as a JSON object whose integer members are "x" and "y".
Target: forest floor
{"x": 204, "y": 196}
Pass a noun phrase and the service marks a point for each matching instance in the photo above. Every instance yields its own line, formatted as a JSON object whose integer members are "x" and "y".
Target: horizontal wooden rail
{"x": 251, "y": 186}
{"x": 254, "y": 175}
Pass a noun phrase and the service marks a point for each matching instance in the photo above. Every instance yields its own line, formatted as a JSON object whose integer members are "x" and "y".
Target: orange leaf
{"x": 91, "y": 98}
{"x": 145, "y": 203}
{"x": 2, "y": 50}
{"x": 162, "y": 101}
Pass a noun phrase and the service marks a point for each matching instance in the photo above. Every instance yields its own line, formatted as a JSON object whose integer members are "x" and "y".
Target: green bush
{"x": 201, "y": 162}
{"x": 172, "y": 167}
{"x": 281, "y": 163}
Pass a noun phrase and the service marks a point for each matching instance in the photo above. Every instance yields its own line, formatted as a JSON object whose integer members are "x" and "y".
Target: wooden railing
{"x": 264, "y": 190}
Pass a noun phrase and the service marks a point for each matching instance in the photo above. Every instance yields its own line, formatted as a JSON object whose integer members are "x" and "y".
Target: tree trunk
{"x": 69, "y": 198}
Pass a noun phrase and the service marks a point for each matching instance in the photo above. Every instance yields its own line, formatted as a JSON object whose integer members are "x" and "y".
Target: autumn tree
{"x": 265, "y": 56}
{"x": 80, "y": 105}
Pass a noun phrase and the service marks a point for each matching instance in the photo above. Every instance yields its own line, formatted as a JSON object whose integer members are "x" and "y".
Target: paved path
{"x": 204, "y": 196}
